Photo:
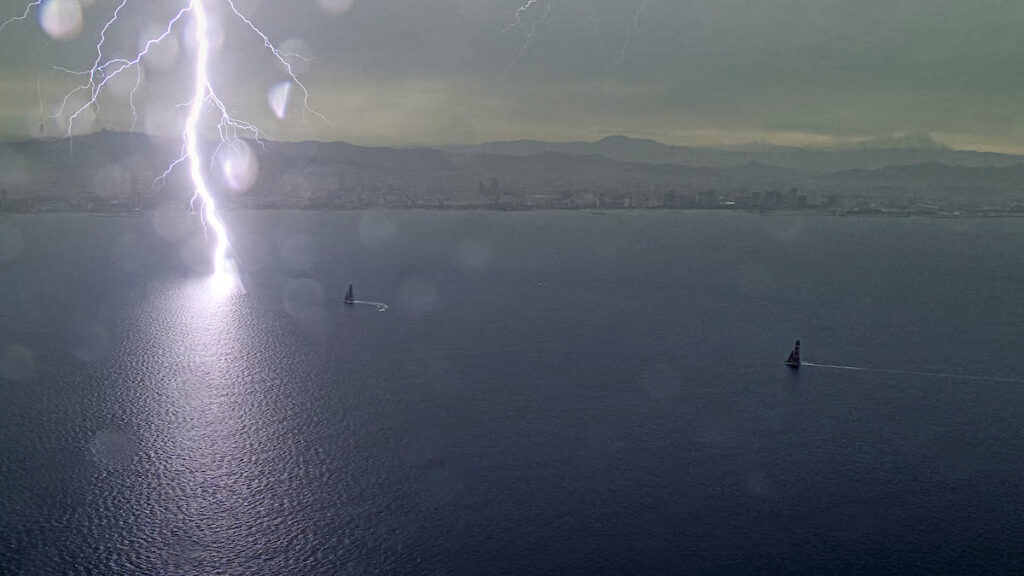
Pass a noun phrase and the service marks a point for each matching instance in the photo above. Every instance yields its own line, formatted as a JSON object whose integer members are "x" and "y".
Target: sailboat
{"x": 794, "y": 357}
{"x": 349, "y": 297}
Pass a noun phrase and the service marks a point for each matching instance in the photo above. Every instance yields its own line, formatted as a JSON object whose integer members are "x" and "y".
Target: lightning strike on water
{"x": 229, "y": 128}
{"x": 202, "y": 92}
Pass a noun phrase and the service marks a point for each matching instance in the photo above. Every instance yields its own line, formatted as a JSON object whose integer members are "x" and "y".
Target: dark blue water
{"x": 548, "y": 393}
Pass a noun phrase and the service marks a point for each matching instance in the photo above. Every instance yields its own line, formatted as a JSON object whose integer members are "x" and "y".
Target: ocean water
{"x": 547, "y": 393}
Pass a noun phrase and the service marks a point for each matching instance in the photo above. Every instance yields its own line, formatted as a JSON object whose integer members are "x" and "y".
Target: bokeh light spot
{"x": 277, "y": 98}
{"x": 61, "y": 19}
{"x": 472, "y": 254}
{"x": 299, "y": 252}
{"x": 376, "y": 227}
{"x": 89, "y": 341}
{"x": 17, "y": 363}
{"x": 171, "y": 222}
{"x": 418, "y": 295}
{"x": 335, "y": 6}
{"x": 112, "y": 449}
{"x": 298, "y": 53}
{"x": 305, "y": 302}
{"x": 239, "y": 166}
{"x": 12, "y": 243}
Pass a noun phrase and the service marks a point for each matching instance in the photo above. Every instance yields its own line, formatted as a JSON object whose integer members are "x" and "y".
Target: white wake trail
{"x": 381, "y": 307}
{"x": 915, "y": 373}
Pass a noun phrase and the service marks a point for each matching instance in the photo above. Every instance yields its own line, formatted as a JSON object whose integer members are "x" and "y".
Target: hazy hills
{"x": 871, "y": 155}
{"x": 107, "y": 168}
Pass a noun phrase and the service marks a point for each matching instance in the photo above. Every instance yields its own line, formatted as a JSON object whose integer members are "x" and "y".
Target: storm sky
{"x": 697, "y": 72}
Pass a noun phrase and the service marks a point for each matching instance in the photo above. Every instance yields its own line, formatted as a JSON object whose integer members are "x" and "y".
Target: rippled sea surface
{"x": 563, "y": 393}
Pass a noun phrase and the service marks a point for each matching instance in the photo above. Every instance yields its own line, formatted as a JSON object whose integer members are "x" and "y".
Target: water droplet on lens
{"x": 89, "y": 341}
{"x": 376, "y": 227}
{"x": 335, "y": 6}
{"x": 298, "y": 53}
{"x": 472, "y": 254}
{"x": 61, "y": 19}
{"x": 17, "y": 363}
{"x": 127, "y": 251}
{"x": 277, "y": 98}
{"x": 418, "y": 295}
{"x": 303, "y": 295}
{"x": 305, "y": 302}
{"x": 113, "y": 182}
{"x": 239, "y": 166}
{"x": 299, "y": 252}
{"x": 112, "y": 449}
{"x": 195, "y": 253}
{"x": 12, "y": 242}
{"x": 171, "y": 222}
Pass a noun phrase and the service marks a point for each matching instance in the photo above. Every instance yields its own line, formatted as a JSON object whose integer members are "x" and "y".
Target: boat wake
{"x": 916, "y": 373}
{"x": 381, "y": 307}
{"x": 350, "y": 299}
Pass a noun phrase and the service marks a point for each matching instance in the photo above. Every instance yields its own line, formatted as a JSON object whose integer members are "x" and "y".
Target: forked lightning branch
{"x": 204, "y": 105}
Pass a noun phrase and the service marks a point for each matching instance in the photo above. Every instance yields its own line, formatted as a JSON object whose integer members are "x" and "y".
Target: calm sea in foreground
{"x": 547, "y": 393}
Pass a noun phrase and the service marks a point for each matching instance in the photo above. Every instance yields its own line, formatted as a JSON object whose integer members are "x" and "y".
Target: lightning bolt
{"x": 640, "y": 11}
{"x": 28, "y": 10}
{"x": 204, "y": 97}
{"x": 203, "y": 90}
{"x": 519, "y": 11}
{"x": 531, "y": 34}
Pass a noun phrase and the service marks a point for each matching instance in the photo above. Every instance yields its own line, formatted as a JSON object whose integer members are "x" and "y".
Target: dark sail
{"x": 794, "y": 356}
{"x": 349, "y": 297}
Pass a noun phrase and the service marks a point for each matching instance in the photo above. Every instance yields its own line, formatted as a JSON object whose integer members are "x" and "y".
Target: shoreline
{"x": 853, "y": 212}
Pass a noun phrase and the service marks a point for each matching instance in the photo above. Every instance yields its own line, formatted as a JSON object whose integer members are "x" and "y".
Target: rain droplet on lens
{"x": 376, "y": 227}
{"x": 472, "y": 254}
{"x": 12, "y": 243}
{"x": 418, "y": 295}
{"x": 112, "y": 449}
{"x": 89, "y": 341}
{"x": 277, "y": 98}
{"x": 299, "y": 252}
{"x": 17, "y": 363}
{"x": 336, "y": 7}
{"x": 61, "y": 19}
{"x": 305, "y": 302}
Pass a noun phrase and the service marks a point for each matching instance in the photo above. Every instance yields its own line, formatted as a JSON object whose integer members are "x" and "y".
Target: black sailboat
{"x": 349, "y": 297}
{"x": 794, "y": 357}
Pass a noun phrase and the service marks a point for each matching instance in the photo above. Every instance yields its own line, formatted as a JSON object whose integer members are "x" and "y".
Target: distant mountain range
{"x": 871, "y": 155}
{"x": 111, "y": 168}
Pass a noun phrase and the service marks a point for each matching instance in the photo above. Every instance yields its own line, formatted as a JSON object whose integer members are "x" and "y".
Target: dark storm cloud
{"x": 794, "y": 71}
